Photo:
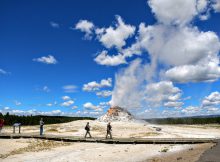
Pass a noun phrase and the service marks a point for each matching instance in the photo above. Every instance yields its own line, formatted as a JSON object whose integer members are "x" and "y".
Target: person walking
{"x": 41, "y": 126}
{"x": 109, "y": 131}
{"x": 87, "y": 128}
{"x": 1, "y": 124}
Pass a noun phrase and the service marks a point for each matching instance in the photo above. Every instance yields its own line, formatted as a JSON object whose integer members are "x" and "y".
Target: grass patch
{"x": 72, "y": 130}
{"x": 52, "y": 130}
{"x": 165, "y": 149}
{"x": 145, "y": 134}
{"x": 35, "y": 146}
{"x": 97, "y": 128}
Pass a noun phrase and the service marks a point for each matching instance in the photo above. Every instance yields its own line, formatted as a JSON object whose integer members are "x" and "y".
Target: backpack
{"x": 109, "y": 127}
{"x": 86, "y": 128}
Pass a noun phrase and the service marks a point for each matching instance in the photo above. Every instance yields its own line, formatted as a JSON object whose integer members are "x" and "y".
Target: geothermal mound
{"x": 116, "y": 113}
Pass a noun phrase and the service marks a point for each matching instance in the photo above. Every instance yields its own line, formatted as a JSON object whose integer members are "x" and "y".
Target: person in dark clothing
{"x": 87, "y": 128}
{"x": 109, "y": 131}
{"x": 1, "y": 124}
{"x": 41, "y": 126}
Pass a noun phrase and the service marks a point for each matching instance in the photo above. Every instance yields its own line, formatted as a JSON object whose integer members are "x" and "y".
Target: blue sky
{"x": 155, "y": 58}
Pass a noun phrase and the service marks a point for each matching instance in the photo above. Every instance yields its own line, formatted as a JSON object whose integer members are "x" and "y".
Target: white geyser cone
{"x": 116, "y": 113}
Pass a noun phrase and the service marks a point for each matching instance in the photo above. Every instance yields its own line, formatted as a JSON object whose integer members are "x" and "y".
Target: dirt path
{"x": 188, "y": 155}
{"x": 212, "y": 155}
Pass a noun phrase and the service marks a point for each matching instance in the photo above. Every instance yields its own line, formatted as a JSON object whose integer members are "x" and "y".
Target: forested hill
{"x": 34, "y": 120}
{"x": 186, "y": 120}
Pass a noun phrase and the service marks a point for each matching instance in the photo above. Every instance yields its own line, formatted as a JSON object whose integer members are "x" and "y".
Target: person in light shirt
{"x": 41, "y": 126}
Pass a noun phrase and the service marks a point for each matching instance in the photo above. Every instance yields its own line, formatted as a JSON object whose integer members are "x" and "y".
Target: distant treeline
{"x": 34, "y": 120}
{"x": 186, "y": 120}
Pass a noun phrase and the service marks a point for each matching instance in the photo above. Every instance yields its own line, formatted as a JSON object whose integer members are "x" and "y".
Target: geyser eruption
{"x": 127, "y": 93}
{"x": 135, "y": 91}
{"x": 129, "y": 86}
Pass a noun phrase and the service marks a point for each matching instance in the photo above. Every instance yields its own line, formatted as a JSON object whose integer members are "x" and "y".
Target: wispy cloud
{"x": 49, "y": 104}
{"x": 43, "y": 89}
{"x": 54, "y": 24}
{"x": 66, "y": 98}
{"x": 52, "y": 104}
{"x": 3, "y": 72}
{"x": 6, "y": 108}
{"x": 56, "y": 112}
{"x": 69, "y": 88}
{"x": 46, "y": 59}
{"x": 34, "y": 112}
{"x": 67, "y": 103}
{"x": 74, "y": 107}
{"x": 17, "y": 103}
{"x": 46, "y": 89}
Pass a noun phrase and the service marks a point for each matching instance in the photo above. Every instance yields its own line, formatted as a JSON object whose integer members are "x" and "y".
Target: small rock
{"x": 179, "y": 158}
{"x": 158, "y": 129}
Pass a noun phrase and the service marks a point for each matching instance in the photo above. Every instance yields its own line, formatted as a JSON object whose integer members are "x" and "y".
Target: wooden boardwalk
{"x": 114, "y": 140}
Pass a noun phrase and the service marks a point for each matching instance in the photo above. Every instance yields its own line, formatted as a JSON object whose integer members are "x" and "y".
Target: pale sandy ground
{"x": 124, "y": 129}
{"x": 41, "y": 150}
{"x": 35, "y": 151}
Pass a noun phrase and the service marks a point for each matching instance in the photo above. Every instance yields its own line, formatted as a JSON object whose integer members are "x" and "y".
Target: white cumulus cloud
{"x": 116, "y": 36}
{"x": 216, "y": 5}
{"x": 94, "y": 86}
{"x": 194, "y": 73}
{"x": 86, "y": 27}
{"x": 163, "y": 92}
{"x": 104, "y": 93}
{"x": 89, "y": 105}
{"x": 46, "y": 59}
{"x": 109, "y": 60}
{"x": 173, "y": 11}
{"x": 173, "y": 104}
{"x": 211, "y": 100}
{"x": 191, "y": 110}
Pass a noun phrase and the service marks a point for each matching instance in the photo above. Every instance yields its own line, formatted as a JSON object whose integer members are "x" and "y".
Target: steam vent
{"x": 116, "y": 113}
